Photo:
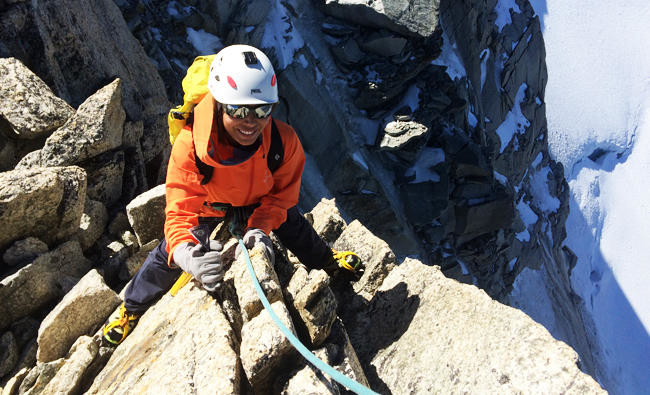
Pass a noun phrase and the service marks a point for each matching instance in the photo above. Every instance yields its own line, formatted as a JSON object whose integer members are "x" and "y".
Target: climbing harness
{"x": 336, "y": 375}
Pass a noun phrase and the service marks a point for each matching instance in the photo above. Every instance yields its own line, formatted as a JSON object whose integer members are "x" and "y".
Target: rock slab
{"x": 82, "y": 309}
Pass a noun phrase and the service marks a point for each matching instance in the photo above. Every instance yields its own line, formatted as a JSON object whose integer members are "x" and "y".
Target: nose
{"x": 250, "y": 116}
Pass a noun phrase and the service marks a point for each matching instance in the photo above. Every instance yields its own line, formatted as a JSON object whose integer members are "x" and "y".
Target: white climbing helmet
{"x": 241, "y": 74}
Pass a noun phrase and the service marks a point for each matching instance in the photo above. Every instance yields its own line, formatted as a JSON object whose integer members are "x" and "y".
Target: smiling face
{"x": 244, "y": 131}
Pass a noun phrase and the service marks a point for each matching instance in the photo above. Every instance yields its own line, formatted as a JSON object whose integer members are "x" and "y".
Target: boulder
{"x": 249, "y": 302}
{"x": 8, "y": 353}
{"x": 24, "y": 251}
{"x": 375, "y": 253}
{"x": 82, "y": 309}
{"x": 68, "y": 378}
{"x": 386, "y": 45}
{"x": 39, "y": 377}
{"x": 52, "y": 199}
{"x": 134, "y": 262}
{"x": 484, "y": 217}
{"x": 264, "y": 347}
{"x": 41, "y": 282}
{"x": 130, "y": 241}
{"x": 417, "y": 18}
{"x": 398, "y": 135}
{"x": 105, "y": 177}
{"x": 336, "y": 352}
{"x": 326, "y": 220}
{"x": 309, "y": 380}
{"x": 147, "y": 215}
{"x": 110, "y": 255}
{"x": 316, "y": 304}
{"x": 119, "y": 224}
{"x": 348, "y": 53}
{"x": 182, "y": 344}
{"x": 27, "y": 358}
{"x": 96, "y": 128}
{"x": 13, "y": 384}
{"x": 92, "y": 224}
{"x": 27, "y": 103}
{"x": 472, "y": 342}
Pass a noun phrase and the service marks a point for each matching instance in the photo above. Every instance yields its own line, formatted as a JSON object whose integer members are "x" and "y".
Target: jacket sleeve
{"x": 272, "y": 211}
{"x": 184, "y": 193}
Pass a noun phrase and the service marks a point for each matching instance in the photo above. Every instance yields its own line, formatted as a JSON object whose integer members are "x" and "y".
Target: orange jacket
{"x": 242, "y": 184}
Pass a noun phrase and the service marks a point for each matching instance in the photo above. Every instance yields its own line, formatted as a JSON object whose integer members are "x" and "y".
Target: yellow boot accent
{"x": 118, "y": 330}
{"x": 349, "y": 261}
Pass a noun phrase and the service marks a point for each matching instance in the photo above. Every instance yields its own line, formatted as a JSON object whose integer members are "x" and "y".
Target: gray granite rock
{"x": 194, "y": 351}
{"x": 92, "y": 224}
{"x": 82, "y": 309}
{"x": 27, "y": 103}
{"x": 41, "y": 282}
{"x": 24, "y": 251}
{"x": 147, "y": 214}
{"x": 51, "y": 198}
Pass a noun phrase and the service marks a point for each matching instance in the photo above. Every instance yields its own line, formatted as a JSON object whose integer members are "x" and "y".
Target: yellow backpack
{"x": 195, "y": 86}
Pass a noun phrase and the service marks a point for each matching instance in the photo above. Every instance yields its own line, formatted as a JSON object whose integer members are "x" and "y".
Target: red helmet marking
{"x": 232, "y": 82}
{"x": 273, "y": 80}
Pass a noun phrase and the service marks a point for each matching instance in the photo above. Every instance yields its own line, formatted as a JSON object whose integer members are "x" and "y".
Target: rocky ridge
{"x": 392, "y": 114}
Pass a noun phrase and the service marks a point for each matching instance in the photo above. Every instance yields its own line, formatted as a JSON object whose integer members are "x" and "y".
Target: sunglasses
{"x": 242, "y": 111}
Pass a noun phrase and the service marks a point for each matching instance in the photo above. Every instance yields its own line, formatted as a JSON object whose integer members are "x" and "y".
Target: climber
{"x": 231, "y": 133}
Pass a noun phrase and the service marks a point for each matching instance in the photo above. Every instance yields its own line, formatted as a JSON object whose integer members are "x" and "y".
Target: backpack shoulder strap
{"x": 276, "y": 150}
{"x": 204, "y": 169}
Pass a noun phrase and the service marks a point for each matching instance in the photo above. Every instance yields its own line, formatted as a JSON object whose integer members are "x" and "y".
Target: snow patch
{"x": 303, "y": 61}
{"x": 500, "y": 177}
{"x": 485, "y": 55}
{"x": 502, "y": 9}
{"x": 428, "y": 158}
{"x": 359, "y": 159}
{"x": 526, "y": 213}
{"x": 540, "y": 194}
{"x": 471, "y": 119}
{"x": 511, "y": 264}
{"x": 280, "y": 35}
{"x": 515, "y": 122}
{"x": 449, "y": 58}
{"x": 204, "y": 42}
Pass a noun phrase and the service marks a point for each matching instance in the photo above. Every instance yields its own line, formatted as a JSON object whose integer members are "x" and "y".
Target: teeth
{"x": 247, "y": 132}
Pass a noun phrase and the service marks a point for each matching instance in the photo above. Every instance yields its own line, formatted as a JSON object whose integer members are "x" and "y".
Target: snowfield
{"x": 598, "y": 109}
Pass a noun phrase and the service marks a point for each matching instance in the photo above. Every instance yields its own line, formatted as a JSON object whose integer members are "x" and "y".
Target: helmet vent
{"x": 250, "y": 58}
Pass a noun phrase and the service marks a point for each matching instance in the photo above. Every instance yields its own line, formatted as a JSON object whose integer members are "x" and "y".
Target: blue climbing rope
{"x": 336, "y": 375}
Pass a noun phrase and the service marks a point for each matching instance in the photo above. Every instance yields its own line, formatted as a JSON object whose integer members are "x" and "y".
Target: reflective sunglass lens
{"x": 241, "y": 112}
{"x": 263, "y": 111}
